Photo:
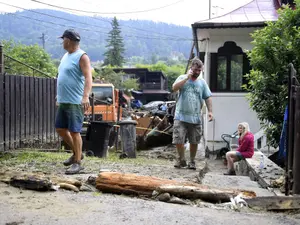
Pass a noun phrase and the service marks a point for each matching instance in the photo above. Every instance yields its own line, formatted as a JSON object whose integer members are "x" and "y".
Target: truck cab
{"x": 106, "y": 103}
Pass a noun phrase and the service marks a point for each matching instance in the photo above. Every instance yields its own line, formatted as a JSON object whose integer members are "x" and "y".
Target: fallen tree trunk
{"x": 203, "y": 192}
{"x": 129, "y": 183}
{"x": 145, "y": 185}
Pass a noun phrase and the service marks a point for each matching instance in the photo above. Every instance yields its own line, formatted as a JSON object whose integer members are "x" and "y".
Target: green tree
{"x": 130, "y": 84}
{"x": 32, "y": 55}
{"x": 275, "y": 46}
{"x": 115, "y": 46}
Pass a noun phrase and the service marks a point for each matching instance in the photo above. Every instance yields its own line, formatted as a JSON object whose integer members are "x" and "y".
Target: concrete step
{"x": 235, "y": 182}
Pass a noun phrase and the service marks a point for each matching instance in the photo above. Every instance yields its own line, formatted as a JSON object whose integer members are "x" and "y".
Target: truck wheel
{"x": 89, "y": 153}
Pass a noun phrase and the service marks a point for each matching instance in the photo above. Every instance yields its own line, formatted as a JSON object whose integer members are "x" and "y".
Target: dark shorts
{"x": 69, "y": 116}
{"x": 239, "y": 156}
{"x": 181, "y": 130}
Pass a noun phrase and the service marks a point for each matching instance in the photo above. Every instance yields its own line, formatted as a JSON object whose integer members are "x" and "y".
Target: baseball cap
{"x": 71, "y": 34}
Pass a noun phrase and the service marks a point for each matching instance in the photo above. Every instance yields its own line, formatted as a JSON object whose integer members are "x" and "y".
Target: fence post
{"x": 290, "y": 133}
{"x": 1, "y": 59}
{"x": 296, "y": 158}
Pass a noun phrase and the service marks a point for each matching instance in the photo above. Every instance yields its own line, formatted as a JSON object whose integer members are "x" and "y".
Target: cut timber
{"x": 35, "y": 181}
{"x": 120, "y": 183}
{"x": 32, "y": 182}
{"x": 129, "y": 183}
{"x": 275, "y": 203}
{"x": 203, "y": 192}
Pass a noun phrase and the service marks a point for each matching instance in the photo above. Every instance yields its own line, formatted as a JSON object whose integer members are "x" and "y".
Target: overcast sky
{"x": 180, "y": 12}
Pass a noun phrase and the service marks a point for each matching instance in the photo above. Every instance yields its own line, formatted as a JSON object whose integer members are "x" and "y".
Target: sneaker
{"x": 192, "y": 165}
{"x": 230, "y": 173}
{"x": 180, "y": 163}
{"x": 75, "y": 168}
{"x": 70, "y": 160}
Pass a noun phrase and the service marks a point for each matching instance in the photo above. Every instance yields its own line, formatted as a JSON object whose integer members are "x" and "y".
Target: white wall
{"x": 229, "y": 109}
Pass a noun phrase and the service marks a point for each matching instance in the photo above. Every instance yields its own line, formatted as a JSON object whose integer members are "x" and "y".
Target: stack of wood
{"x": 152, "y": 131}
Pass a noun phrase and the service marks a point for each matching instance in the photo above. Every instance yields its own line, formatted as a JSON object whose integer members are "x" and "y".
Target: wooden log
{"x": 32, "y": 182}
{"x": 275, "y": 203}
{"x": 120, "y": 183}
{"x": 203, "y": 192}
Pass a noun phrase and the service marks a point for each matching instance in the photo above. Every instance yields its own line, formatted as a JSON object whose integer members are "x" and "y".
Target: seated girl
{"x": 245, "y": 149}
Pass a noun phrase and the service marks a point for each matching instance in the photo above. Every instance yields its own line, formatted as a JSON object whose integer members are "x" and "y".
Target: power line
{"x": 104, "y": 20}
{"x": 57, "y": 17}
{"x": 139, "y": 11}
{"x": 64, "y": 25}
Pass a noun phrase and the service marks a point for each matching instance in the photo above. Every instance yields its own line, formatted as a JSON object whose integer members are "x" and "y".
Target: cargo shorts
{"x": 183, "y": 130}
{"x": 69, "y": 116}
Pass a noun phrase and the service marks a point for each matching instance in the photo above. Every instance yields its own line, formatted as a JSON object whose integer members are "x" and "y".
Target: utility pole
{"x": 209, "y": 10}
{"x": 1, "y": 60}
{"x": 43, "y": 40}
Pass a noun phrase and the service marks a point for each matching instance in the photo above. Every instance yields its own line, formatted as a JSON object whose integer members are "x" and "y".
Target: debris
{"x": 277, "y": 203}
{"x": 206, "y": 193}
{"x": 68, "y": 187}
{"x": 177, "y": 200}
{"x": 164, "y": 197}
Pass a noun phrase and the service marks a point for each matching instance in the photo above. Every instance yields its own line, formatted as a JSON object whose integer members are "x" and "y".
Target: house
{"x": 221, "y": 43}
{"x": 153, "y": 85}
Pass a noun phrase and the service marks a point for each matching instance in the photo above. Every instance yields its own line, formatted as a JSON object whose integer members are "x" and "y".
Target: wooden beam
{"x": 274, "y": 203}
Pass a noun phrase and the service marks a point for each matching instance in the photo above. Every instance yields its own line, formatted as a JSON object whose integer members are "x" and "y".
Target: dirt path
{"x": 65, "y": 207}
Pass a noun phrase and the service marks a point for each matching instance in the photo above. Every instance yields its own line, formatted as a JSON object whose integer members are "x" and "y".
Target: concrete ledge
{"x": 263, "y": 176}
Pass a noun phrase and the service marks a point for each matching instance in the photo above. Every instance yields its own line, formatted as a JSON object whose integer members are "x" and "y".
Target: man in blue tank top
{"x": 187, "y": 120}
{"x": 74, "y": 84}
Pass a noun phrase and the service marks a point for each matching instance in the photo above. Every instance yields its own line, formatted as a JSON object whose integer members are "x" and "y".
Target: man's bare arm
{"x": 85, "y": 66}
{"x": 208, "y": 103}
{"x": 179, "y": 84}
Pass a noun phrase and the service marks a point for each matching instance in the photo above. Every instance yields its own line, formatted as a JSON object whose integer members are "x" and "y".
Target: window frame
{"x": 228, "y": 50}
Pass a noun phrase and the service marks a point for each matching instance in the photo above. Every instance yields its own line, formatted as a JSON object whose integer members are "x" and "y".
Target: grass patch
{"x": 42, "y": 160}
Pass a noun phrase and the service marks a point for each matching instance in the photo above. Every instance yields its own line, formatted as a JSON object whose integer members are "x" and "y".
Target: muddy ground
{"x": 66, "y": 207}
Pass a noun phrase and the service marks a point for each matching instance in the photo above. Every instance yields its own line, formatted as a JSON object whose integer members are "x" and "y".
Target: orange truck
{"x": 106, "y": 103}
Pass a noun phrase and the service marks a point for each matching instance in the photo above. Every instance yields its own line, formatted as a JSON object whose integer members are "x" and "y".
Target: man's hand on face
{"x": 85, "y": 103}
{"x": 190, "y": 74}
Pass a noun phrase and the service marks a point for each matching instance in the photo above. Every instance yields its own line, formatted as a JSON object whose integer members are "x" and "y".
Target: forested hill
{"x": 141, "y": 38}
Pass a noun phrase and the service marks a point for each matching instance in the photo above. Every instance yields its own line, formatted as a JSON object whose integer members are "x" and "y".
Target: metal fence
{"x": 27, "y": 109}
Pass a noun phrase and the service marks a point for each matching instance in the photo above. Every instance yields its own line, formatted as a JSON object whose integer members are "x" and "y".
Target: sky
{"x": 179, "y": 12}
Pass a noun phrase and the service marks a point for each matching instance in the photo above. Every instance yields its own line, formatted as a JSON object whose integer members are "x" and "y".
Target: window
{"x": 102, "y": 94}
{"x": 228, "y": 68}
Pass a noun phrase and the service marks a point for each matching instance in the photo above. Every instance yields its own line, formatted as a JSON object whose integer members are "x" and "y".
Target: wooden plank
{"x": 7, "y": 112}
{"x": 36, "y": 107}
{"x": 22, "y": 110}
{"x": 54, "y": 108}
{"x": 48, "y": 108}
{"x": 27, "y": 100}
{"x": 18, "y": 110}
{"x": 271, "y": 203}
{"x": 31, "y": 109}
{"x": 44, "y": 108}
{"x": 41, "y": 136}
{"x": 12, "y": 112}
{"x": 2, "y": 112}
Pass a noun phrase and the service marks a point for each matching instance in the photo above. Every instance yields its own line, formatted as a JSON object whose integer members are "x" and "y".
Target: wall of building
{"x": 228, "y": 108}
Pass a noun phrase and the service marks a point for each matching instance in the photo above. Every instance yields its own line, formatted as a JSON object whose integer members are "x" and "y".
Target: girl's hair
{"x": 246, "y": 129}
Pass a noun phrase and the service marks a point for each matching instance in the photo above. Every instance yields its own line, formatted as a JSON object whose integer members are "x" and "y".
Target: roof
{"x": 253, "y": 14}
{"x": 155, "y": 92}
{"x": 136, "y": 71}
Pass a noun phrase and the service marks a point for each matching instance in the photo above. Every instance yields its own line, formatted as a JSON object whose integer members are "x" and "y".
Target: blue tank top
{"x": 70, "y": 81}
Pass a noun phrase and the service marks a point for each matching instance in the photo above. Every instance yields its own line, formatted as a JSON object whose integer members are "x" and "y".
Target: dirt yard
{"x": 66, "y": 207}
